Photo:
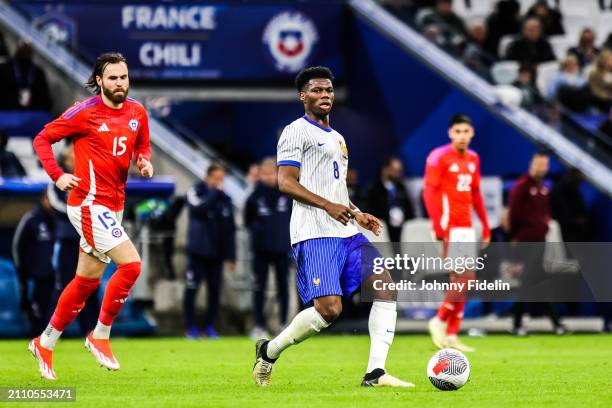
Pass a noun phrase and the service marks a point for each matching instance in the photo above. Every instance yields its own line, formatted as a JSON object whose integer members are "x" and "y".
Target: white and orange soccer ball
{"x": 448, "y": 369}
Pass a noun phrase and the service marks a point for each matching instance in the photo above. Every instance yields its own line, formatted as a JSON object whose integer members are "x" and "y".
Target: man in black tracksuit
{"x": 267, "y": 214}
{"x": 32, "y": 252}
{"x": 66, "y": 249}
{"x": 210, "y": 242}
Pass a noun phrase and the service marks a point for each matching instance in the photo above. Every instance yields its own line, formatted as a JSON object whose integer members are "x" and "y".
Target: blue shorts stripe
{"x": 332, "y": 266}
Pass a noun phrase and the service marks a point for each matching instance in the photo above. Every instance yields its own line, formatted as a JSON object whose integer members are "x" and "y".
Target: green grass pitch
{"x": 324, "y": 371}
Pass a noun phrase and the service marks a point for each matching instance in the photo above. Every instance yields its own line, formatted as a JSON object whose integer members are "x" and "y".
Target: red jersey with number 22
{"x": 105, "y": 141}
{"x": 452, "y": 188}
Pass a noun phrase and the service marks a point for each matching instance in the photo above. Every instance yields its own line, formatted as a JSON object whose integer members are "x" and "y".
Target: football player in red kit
{"x": 110, "y": 131}
{"x": 452, "y": 189}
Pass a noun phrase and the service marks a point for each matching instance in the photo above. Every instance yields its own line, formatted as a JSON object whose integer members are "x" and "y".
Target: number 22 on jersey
{"x": 464, "y": 182}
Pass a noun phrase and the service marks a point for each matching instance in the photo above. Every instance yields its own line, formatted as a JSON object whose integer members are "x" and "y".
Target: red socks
{"x": 453, "y": 324}
{"x": 72, "y": 300}
{"x": 445, "y": 310}
{"x": 117, "y": 291}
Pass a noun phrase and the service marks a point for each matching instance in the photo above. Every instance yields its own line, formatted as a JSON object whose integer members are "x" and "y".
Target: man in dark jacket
{"x": 531, "y": 47}
{"x": 24, "y": 83}
{"x": 210, "y": 242}
{"x": 267, "y": 214}
{"x": 32, "y": 252}
{"x": 529, "y": 209}
{"x": 388, "y": 198}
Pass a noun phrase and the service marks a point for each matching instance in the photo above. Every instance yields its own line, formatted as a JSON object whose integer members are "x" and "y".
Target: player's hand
{"x": 339, "y": 212}
{"x": 485, "y": 242}
{"x": 145, "y": 166}
{"x": 369, "y": 222}
{"x": 67, "y": 182}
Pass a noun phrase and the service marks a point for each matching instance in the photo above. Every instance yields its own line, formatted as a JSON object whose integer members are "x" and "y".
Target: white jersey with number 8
{"x": 322, "y": 156}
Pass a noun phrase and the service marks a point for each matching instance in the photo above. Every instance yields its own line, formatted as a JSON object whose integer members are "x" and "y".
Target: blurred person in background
{"x": 525, "y": 82}
{"x": 475, "y": 55}
{"x": 266, "y": 214}
{"x": 452, "y": 193}
{"x": 352, "y": 184}
{"x": 210, "y": 243}
{"x": 3, "y": 50}
{"x": 550, "y": 18}
{"x": 505, "y": 20}
{"x": 66, "y": 247}
{"x": 567, "y": 86}
{"x": 569, "y": 208}
{"x": 25, "y": 84}
{"x": 388, "y": 199}
{"x": 529, "y": 211}
{"x": 453, "y": 32}
{"x": 32, "y": 252}
{"x": 10, "y": 166}
{"x": 600, "y": 81}
{"x": 585, "y": 51}
{"x": 531, "y": 47}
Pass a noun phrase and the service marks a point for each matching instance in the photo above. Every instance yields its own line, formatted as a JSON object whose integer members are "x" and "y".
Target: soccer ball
{"x": 448, "y": 369}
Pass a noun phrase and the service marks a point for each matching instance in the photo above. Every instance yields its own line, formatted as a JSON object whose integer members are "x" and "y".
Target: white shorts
{"x": 462, "y": 243}
{"x": 100, "y": 229}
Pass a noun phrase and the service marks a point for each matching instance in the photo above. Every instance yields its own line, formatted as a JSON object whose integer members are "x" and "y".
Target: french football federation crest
{"x": 316, "y": 281}
{"x": 133, "y": 125}
{"x": 344, "y": 149}
{"x": 290, "y": 37}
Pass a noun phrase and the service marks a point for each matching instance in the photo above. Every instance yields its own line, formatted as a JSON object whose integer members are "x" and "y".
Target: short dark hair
{"x": 214, "y": 167}
{"x": 307, "y": 74}
{"x": 390, "y": 159}
{"x": 99, "y": 67}
{"x": 541, "y": 152}
{"x": 460, "y": 118}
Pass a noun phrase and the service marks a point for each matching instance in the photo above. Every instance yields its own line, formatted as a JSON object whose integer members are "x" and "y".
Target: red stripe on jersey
{"x": 86, "y": 226}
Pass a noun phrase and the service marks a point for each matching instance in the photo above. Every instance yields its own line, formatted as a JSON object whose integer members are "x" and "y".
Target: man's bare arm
{"x": 288, "y": 183}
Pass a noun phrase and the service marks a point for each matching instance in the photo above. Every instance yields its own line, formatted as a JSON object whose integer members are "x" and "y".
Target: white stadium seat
{"x": 560, "y": 44}
{"x": 574, "y": 24}
{"x": 545, "y": 74}
{"x": 526, "y": 5}
{"x": 605, "y": 27}
{"x": 508, "y": 95}
{"x": 504, "y": 42}
{"x": 586, "y": 8}
{"x": 505, "y": 72}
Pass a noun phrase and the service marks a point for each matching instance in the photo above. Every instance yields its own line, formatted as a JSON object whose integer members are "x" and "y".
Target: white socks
{"x": 49, "y": 337}
{"x": 101, "y": 331}
{"x": 306, "y": 324}
{"x": 381, "y": 325}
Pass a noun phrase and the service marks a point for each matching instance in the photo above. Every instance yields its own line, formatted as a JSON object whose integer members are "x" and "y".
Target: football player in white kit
{"x": 333, "y": 258}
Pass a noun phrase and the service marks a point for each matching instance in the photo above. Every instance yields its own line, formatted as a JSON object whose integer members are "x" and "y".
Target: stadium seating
{"x": 560, "y": 45}
{"x": 505, "y": 72}
{"x": 509, "y": 95}
{"x": 545, "y": 73}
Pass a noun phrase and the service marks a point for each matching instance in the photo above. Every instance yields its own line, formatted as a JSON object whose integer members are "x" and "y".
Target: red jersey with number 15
{"x": 105, "y": 141}
{"x": 452, "y": 188}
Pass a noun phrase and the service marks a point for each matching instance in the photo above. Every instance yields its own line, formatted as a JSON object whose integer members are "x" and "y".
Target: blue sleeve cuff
{"x": 289, "y": 163}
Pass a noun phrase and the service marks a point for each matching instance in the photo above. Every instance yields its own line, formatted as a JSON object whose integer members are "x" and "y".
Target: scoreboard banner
{"x": 199, "y": 41}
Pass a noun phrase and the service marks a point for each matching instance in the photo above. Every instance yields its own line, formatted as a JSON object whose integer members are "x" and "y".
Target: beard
{"x": 116, "y": 97}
